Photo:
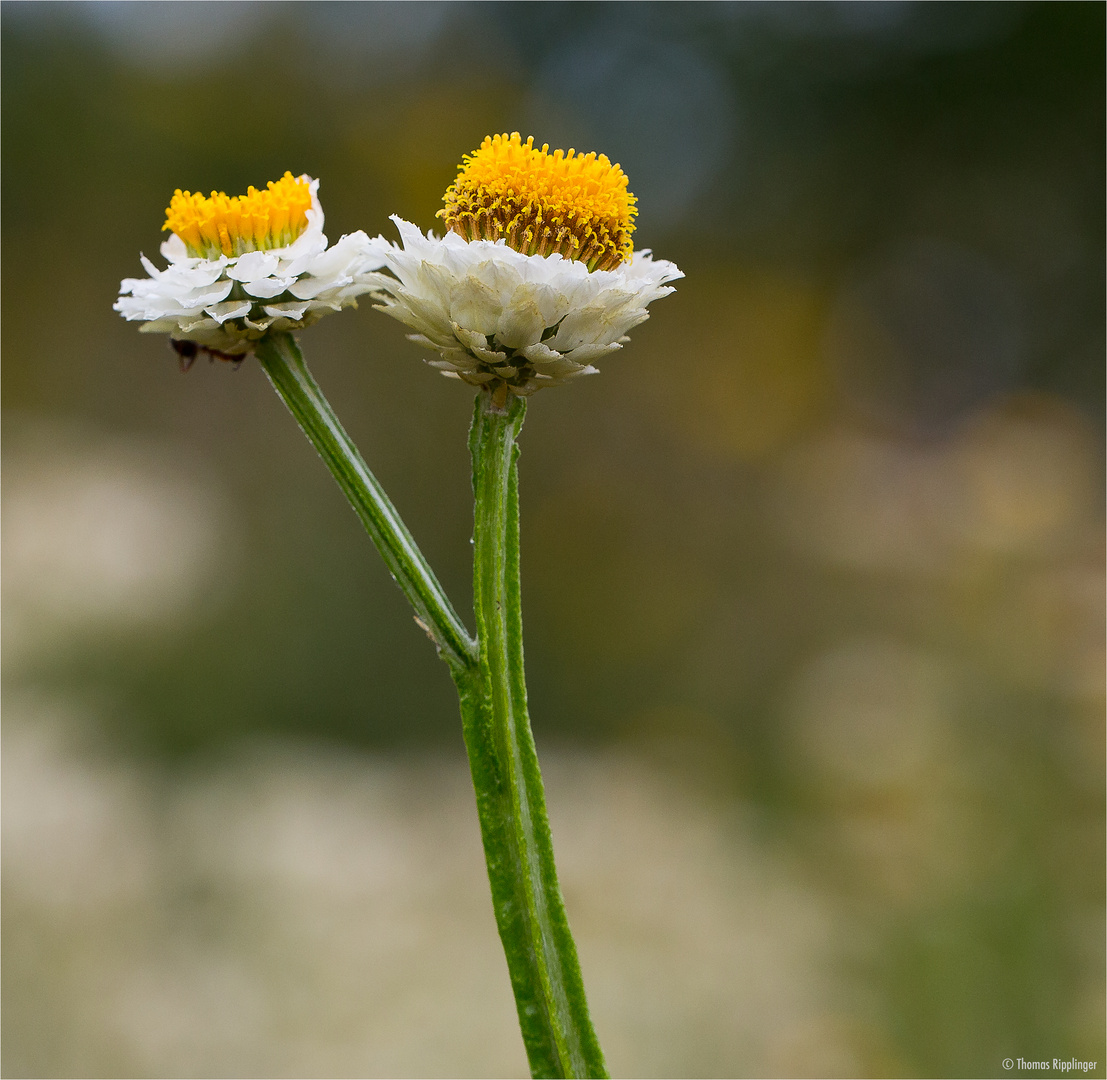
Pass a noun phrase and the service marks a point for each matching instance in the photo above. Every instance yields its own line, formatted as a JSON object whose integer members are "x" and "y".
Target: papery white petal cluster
{"x": 495, "y": 314}
{"x": 226, "y": 304}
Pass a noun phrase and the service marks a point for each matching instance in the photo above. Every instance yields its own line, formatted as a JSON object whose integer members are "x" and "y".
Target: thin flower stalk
{"x": 280, "y": 357}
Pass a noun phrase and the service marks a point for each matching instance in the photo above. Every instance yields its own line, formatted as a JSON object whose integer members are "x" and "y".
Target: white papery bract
{"x": 225, "y": 304}
{"x": 497, "y": 316}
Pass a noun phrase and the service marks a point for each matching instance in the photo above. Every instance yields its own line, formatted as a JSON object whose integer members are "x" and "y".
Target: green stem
{"x": 283, "y": 362}
{"x": 530, "y": 914}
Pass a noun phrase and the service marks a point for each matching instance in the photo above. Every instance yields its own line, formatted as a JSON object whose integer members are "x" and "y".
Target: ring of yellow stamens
{"x": 256, "y": 221}
{"x": 576, "y": 205}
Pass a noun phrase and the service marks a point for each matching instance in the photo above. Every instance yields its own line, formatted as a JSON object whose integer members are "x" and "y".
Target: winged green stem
{"x": 488, "y": 672}
{"x": 530, "y": 914}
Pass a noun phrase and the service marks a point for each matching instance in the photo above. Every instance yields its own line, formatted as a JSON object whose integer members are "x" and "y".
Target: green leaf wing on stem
{"x": 530, "y": 913}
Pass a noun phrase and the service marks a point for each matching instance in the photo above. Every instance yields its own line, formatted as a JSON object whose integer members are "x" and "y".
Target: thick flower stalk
{"x": 243, "y": 266}
{"x": 536, "y": 278}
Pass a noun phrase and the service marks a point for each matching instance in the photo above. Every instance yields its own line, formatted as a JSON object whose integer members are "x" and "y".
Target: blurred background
{"x": 813, "y": 571}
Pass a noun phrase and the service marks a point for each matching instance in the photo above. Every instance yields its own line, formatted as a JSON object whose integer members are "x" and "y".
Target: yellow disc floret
{"x": 256, "y": 221}
{"x": 574, "y": 204}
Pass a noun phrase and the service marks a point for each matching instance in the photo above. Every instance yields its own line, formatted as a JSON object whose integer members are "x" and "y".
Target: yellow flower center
{"x": 256, "y": 221}
{"x": 574, "y": 204}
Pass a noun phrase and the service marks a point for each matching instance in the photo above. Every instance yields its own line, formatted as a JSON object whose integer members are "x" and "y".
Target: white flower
{"x": 494, "y": 313}
{"x": 537, "y": 277}
{"x": 225, "y": 286}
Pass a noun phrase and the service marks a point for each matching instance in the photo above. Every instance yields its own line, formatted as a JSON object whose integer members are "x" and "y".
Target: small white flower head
{"x": 536, "y": 278}
{"x": 242, "y": 266}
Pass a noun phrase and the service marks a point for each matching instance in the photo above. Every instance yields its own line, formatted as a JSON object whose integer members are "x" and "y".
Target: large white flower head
{"x": 536, "y": 278}
{"x": 242, "y": 266}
